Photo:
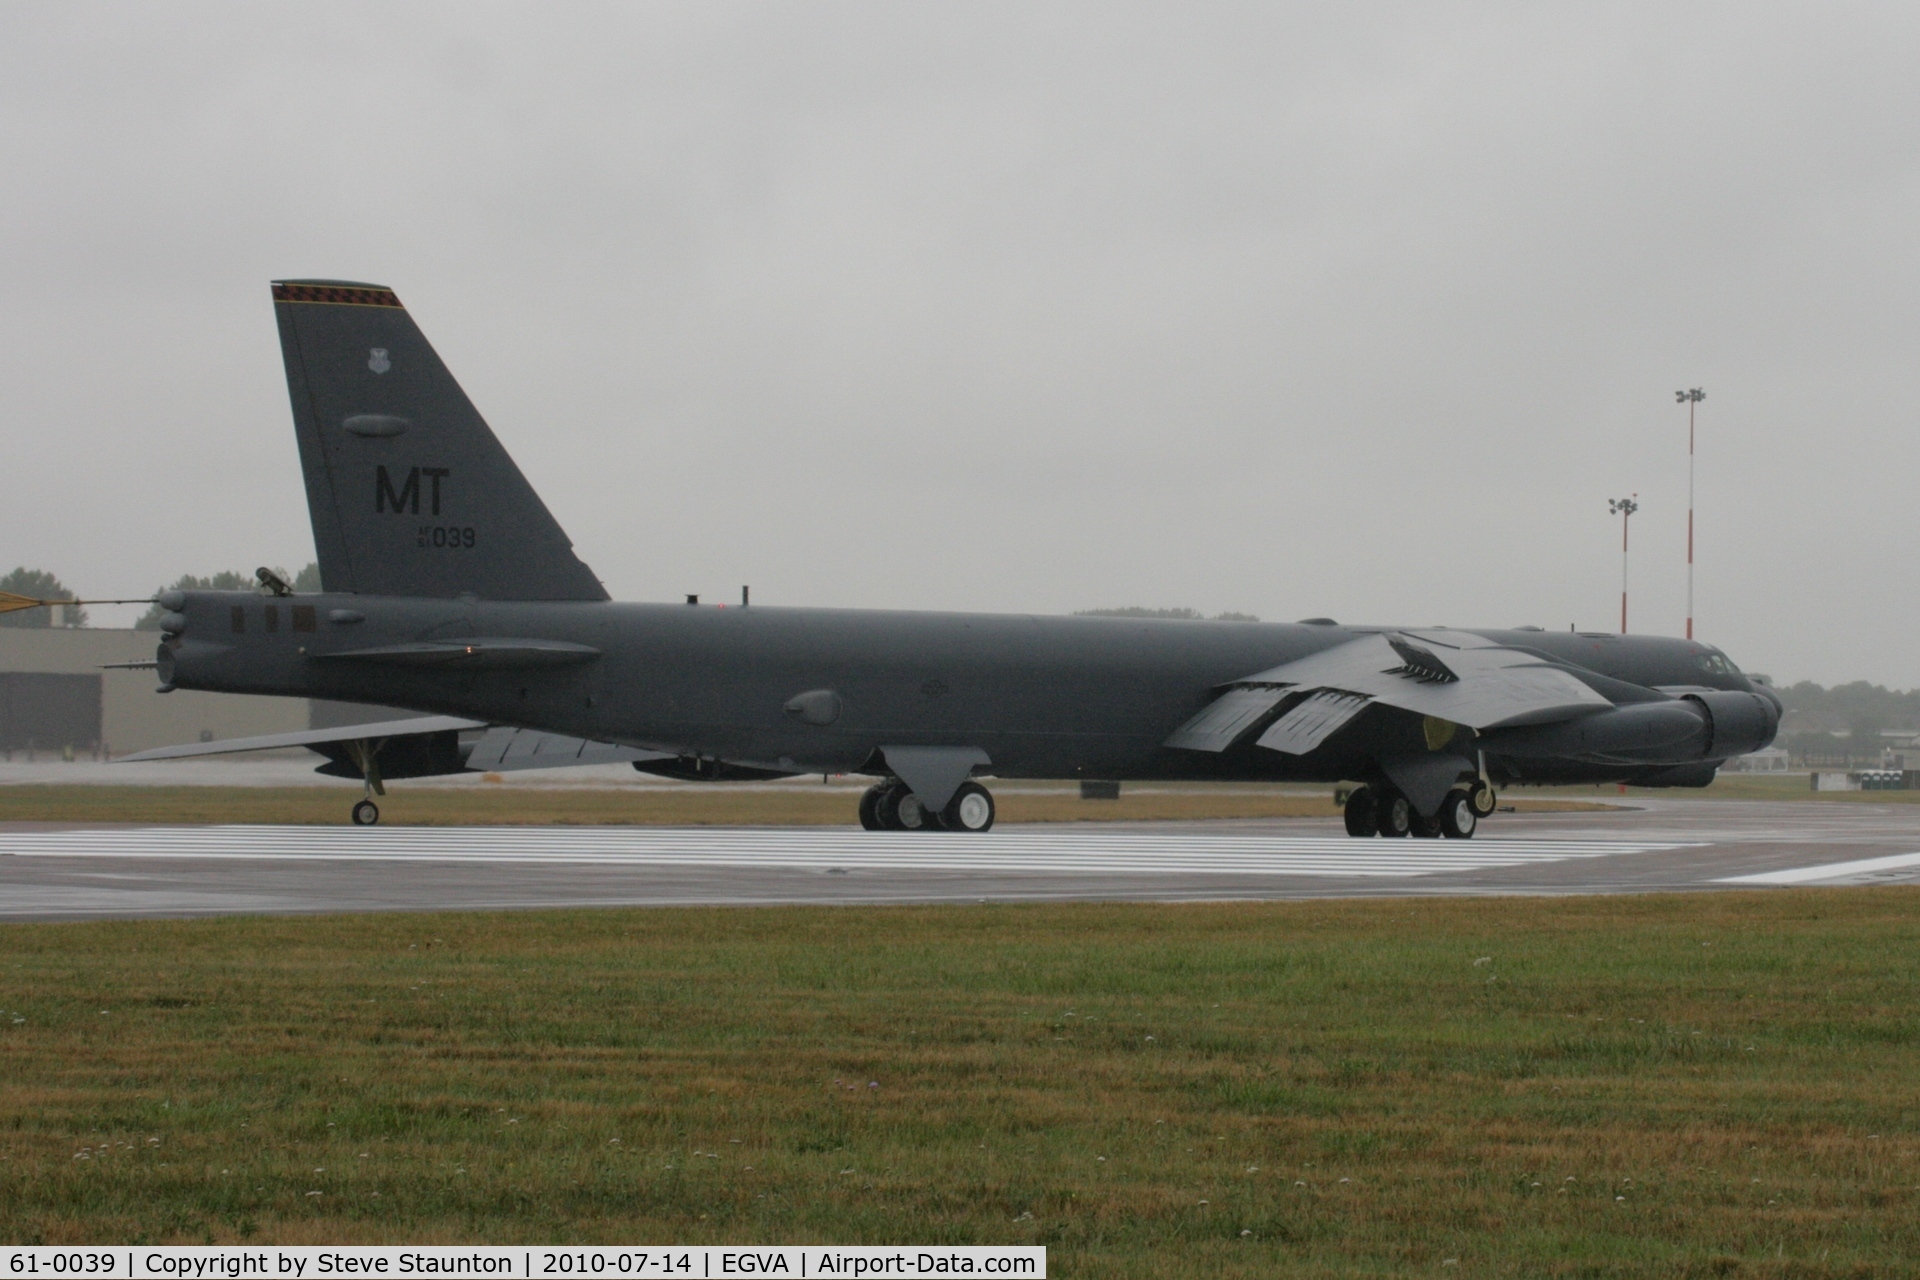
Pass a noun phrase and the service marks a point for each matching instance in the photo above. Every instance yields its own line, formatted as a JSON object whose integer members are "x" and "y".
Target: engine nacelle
{"x": 1739, "y": 722}
{"x": 705, "y": 769}
{"x": 1714, "y": 725}
{"x": 1655, "y": 732}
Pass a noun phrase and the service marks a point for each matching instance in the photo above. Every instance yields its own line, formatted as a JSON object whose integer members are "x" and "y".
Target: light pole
{"x": 1690, "y": 398}
{"x": 1624, "y": 508}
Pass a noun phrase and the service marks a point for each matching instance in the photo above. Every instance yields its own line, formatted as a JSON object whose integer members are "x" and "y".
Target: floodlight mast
{"x": 1689, "y": 398}
{"x": 1624, "y": 508}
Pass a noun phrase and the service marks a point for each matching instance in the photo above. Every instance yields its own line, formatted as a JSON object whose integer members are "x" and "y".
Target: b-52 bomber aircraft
{"x": 449, "y": 590}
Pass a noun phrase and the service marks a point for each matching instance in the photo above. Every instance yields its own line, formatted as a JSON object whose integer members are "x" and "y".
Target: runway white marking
{"x": 827, "y": 848}
{"x": 1829, "y": 871}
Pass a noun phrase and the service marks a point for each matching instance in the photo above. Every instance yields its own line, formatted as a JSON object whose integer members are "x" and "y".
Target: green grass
{"x": 1680, "y": 1085}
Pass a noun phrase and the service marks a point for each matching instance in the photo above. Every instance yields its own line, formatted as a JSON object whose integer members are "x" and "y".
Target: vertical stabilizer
{"x": 409, "y": 491}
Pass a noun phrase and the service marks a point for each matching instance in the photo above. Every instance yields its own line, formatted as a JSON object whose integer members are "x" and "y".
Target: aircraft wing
{"x": 501, "y": 749}
{"x": 307, "y": 738}
{"x": 1452, "y": 676}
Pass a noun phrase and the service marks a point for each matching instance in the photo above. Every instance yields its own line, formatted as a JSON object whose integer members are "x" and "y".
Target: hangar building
{"x": 55, "y": 696}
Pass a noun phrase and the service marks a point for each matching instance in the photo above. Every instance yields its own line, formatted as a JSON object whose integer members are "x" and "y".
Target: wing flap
{"x": 1312, "y": 721}
{"x": 1223, "y": 721}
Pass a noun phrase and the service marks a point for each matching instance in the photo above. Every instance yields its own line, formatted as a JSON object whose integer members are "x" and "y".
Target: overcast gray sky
{"x": 1355, "y": 310}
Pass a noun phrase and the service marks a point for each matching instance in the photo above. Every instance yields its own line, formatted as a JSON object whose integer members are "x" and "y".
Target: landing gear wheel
{"x": 1395, "y": 815}
{"x": 366, "y": 813}
{"x": 886, "y": 806}
{"x": 1482, "y": 798}
{"x": 1457, "y": 816}
{"x": 971, "y": 809}
{"x": 1425, "y": 828}
{"x": 870, "y": 808}
{"x": 1363, "y": 813}
{"x": 910, "y": 815}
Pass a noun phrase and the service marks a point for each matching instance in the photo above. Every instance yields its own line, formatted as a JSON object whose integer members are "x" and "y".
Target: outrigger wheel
{"x": 1481, "y": 796}
{"x": 366, "y": 813}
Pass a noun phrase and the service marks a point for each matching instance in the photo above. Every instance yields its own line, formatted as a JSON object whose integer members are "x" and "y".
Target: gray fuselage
{"x": 1042, "y": 696}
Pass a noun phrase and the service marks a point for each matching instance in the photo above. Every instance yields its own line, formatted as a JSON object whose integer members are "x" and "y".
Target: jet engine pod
{"x": 1659, "y": 731}
{"x": 1741, "y": 721}
{"x": 707, "y": 769}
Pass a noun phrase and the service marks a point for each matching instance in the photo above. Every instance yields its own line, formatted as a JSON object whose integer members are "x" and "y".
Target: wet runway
{"x": 49, "y": 872}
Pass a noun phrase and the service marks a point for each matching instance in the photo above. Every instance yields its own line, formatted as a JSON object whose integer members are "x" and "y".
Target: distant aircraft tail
{"x": 409, "y": 490}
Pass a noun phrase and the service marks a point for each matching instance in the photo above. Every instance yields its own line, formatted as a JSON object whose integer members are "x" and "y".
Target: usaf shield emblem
{"x": 377, "y": 360}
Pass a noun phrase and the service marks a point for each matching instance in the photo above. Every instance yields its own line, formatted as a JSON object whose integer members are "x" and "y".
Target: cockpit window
{"x": 1716, "y": 664}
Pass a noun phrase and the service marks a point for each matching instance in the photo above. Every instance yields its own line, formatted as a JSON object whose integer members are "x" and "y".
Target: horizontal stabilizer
{"x": 1312, "y": 722}
{"x": 307, "y": 738}
{"x": 503, "y": 749}
{"x": 1222, "y": 722}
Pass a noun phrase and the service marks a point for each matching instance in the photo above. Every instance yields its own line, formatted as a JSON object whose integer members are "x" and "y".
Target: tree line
{"x": 41, "y": 585}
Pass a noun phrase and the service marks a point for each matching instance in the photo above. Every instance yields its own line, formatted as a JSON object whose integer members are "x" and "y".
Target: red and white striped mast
{"x": 1690, "y": 398}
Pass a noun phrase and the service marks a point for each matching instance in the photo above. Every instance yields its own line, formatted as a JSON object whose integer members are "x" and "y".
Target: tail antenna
{"x": 11, "y": 603}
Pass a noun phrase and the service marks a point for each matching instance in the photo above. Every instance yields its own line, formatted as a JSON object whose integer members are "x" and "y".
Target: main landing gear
{"x": 1382, "y": 811}
{"x": 890, "y": 806}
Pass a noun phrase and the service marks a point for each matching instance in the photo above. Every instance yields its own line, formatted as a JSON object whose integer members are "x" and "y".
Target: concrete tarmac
{"x": 74, "y": 871}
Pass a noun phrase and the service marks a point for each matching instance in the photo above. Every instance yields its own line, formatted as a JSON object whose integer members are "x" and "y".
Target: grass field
{"x": 786, "y": 804}
{"x": 1678, "y": 1085}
